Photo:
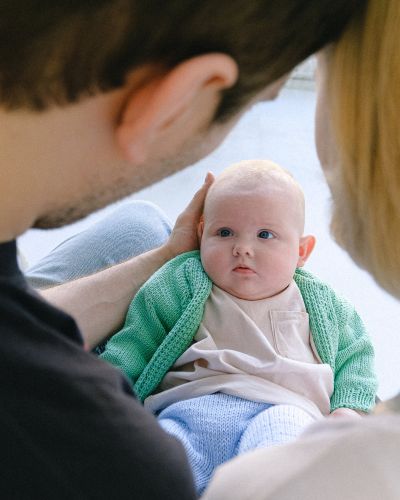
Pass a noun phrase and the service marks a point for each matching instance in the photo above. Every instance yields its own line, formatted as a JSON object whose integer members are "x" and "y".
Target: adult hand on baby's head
{"x": 184, "y": 235}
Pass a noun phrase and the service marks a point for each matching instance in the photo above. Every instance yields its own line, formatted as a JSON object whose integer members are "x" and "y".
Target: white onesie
{"x": 259, "y": 350}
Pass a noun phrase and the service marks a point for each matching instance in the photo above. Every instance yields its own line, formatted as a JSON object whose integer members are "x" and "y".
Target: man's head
{"x": 59, "y": 52}
{"x": 101, "y": 98}
{"x": 252, "y": 230}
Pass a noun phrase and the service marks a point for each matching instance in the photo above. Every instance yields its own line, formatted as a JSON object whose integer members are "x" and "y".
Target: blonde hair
{"x": 363, "y": 75}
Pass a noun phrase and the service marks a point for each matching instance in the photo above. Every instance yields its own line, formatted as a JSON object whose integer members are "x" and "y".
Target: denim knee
{"x": 131, "y": 229}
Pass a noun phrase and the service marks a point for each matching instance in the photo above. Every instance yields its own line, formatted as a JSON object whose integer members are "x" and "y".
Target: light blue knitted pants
{"x": 217, "y": 427}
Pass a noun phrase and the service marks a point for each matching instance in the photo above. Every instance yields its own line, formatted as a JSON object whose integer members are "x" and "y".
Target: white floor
{"x": 284, "y": 132}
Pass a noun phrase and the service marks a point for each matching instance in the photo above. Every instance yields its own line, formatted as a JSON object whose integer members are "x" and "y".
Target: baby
{"x": 237, "y": 347}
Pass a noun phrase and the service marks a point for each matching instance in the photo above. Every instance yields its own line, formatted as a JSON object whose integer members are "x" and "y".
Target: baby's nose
{"x": 242, "y": 249}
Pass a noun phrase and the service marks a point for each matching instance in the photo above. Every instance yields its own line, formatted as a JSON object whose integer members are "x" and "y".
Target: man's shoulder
{"x": 70, "y": 414}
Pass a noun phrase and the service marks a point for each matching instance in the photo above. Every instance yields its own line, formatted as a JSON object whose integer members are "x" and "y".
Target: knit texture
{"x": 161, "y": 323}
{"x": 164, "y": 316}
{"x": 217, "y": 427}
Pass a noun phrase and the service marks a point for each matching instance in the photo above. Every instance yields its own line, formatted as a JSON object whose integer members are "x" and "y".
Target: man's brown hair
{"x": 53, "y": 52}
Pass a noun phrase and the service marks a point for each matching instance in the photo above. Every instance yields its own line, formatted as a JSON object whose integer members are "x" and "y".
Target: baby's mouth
{"x": 243, "y": 270}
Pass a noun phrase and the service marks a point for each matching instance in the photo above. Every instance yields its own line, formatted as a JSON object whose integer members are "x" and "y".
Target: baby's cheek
{"x": 208, "y": 259}
{"x": 218, "y": 274}
{"x": 214, "y": 272}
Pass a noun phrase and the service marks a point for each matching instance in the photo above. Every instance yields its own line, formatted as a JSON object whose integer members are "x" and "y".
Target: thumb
{"x": 195, "y": 207}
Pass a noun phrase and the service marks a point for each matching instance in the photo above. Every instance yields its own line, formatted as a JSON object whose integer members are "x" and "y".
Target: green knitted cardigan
{"x": 165, "y": 314}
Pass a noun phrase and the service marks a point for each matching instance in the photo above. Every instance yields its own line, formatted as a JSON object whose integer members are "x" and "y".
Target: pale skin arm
{"x": 99, "y": 302}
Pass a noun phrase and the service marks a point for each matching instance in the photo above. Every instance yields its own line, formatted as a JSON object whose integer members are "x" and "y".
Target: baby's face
{"x": 250, "y": 241}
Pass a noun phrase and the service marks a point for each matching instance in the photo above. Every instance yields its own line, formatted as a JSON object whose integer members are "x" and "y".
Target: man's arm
{"x": 99, "y": 302}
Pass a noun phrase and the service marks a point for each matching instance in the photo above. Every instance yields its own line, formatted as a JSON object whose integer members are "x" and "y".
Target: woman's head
{"x": 361, "y": 82}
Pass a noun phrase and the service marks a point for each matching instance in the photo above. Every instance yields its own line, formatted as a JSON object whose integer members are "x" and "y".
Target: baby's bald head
{"x": 251, "y": 176}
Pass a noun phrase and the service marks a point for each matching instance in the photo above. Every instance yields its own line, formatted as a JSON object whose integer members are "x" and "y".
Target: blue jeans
{"x": 133, "y": 228}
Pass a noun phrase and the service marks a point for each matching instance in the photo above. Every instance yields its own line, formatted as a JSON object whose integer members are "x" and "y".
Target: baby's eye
{"x": 265, "y": 235}
{"x": 224, "y": 232}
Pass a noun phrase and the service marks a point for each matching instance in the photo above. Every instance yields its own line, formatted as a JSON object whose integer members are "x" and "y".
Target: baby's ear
{"x": 306, "y": 246}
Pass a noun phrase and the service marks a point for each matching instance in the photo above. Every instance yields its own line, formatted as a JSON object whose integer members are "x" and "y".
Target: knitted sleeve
{"x": 355, "y": 381}
{"x": 341, "y": 341}
{"x": 160, "y": 324}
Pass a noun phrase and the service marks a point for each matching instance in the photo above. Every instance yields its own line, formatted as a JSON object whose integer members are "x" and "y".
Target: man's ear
{"x": 165, "y": 110}
{"x": 306, "y": 246}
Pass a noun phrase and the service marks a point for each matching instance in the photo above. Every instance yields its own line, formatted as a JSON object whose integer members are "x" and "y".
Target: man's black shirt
{"x": 70, "y": 425}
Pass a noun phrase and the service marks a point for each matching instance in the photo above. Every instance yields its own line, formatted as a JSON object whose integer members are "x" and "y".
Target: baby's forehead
{"x": 275, "y": 184}
{"x": 268, "y": 183}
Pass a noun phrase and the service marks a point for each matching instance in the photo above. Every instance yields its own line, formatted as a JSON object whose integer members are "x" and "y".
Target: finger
{"x": 196, "y": 204}
{"x": 209, "y": 178}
